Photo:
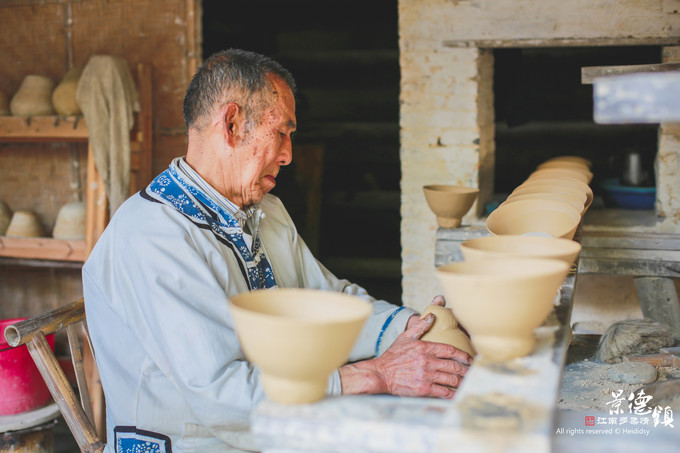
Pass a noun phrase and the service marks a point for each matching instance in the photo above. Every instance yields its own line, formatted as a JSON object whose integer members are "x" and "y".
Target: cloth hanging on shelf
{"x": 107, "y": 96}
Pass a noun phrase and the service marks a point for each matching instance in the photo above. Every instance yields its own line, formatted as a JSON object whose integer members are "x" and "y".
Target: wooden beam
{"x": 589, "y": 73}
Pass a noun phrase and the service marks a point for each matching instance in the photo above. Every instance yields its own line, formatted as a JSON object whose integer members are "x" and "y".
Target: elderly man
{"x": 157, "y": 283}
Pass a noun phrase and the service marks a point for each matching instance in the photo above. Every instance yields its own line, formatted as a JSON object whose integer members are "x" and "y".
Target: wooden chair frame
{"x": 32, "y": 332}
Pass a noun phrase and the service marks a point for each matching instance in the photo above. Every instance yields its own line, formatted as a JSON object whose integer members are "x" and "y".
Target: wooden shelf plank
{"x": 42, "y": 248}
{"x": 589, "y": 73}
{"x": 43, "y": 128}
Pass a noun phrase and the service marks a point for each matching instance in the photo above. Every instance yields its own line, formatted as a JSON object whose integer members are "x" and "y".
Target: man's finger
{"x": 439, "y": 300}
{"x": 419, "y": 327}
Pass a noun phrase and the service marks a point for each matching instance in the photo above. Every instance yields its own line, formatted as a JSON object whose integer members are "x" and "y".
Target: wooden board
{"x": 42, "y": 248}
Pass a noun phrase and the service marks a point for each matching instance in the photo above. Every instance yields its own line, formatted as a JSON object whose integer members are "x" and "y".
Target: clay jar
{"x": 25, "y": 224}
{"x": 34, "y": 97}
{"x": 297, "y": 337}
{"x": 5, "y": 217}
{"x": 500, "y": 302}
{"x": 445, "y": 329}
{"x": 64, "y": 95}
{"x": 70, "y": 223}
{"x": 449, "y": 203}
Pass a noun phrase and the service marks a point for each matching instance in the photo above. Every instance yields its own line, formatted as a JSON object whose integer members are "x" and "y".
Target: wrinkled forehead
{"x": 284, "y": 100}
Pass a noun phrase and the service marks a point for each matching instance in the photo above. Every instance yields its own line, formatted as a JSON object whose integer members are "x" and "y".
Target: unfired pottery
{"x": 577, "y": 202}
{"x": 513, "y": 246}
{"x": 450, "y": 203}
{"x": 34, "y": 97}
{"x": 64, "y": 95}
{"x": 25, "y": 224}
{"x": 501, "y": 302}
{"x": 445, "y": 329}
{"x": 70, "y": 223}
{"x": 5, "y": 217}
{"x": 550, "y": 217}
{"x": 582, "y": 175}
{"x": 4, "y": 104}
{"x": 297, "y": 337}
{"x": 566, "y": 163}
{"x": 574, "y": 159}
{"x": 557, "y": 183}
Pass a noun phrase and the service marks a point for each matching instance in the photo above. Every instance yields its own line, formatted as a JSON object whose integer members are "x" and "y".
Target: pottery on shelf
{"x": 25, "y": 224}
{"x": 4, "y": 104}
{"x": 582, "y": 175}
{"x": 34, "y": 97}
{"x": 450, "y": 203}
{"x": 576, "y": 200}
{"x": 70, "y": 223}
{"x": 501, "y": 302}
{"x": 445, "y": 329}
{"x": 64, "y": 95}
{"x": 570, "y": 159}
{"x": 556, "y": 184}
{"x": 515, "y": 246}
{"x": 297, "y": 337}
{"x": 534, "y": 217}
{"x": 5, "y": 217}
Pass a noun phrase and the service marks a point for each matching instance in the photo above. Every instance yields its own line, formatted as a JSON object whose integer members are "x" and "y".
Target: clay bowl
{"x": 70, "y": 223}
{"x": 556, "y": 184}
{"x": 576, "y": 200}
{"x": 570, "y": 159}
{"x": 297, "y": 337}
{"x": 25, "y": 224}
{"x": 534, "y": 217}
{"x": 501, "y": 302}
{"x": 450, "y": 203}
{"x": 582, "y": 175}
{"x": 445, "y": 329}
{"x": 512, "y": 246}
{"x": 569, "y": 165}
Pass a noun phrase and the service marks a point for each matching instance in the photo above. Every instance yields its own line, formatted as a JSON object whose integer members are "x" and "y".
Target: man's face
{"x": 259, "y": 156}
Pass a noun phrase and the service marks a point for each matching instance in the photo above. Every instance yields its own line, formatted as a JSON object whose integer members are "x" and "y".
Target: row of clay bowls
{"x": 70, "y": 223}
{"x": 550, "y": 202}
{"x": 507, "y": 284}
{"x": 37, "y": 96}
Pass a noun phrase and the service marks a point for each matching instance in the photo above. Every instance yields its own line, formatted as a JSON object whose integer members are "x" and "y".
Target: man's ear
{"x": 233, "y": 121}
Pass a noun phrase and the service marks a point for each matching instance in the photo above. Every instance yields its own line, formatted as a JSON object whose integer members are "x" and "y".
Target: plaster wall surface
{"x": 446, "y": 126}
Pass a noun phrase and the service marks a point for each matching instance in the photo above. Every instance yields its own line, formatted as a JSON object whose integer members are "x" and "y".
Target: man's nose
{"x": 286, "y": 152}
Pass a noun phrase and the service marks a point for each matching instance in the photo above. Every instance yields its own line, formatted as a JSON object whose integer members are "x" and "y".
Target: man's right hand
{"x": 409, "y": 367}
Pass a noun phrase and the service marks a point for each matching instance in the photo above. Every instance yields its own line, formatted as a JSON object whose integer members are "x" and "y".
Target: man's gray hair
{"x": 232, "y": 75}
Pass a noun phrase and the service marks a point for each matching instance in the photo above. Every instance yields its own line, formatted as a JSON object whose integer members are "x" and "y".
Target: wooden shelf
{"x": 42, "y": 248}
{"x": 45, "y": 129}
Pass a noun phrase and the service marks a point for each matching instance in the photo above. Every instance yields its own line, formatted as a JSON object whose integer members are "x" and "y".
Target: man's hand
{"x": 410, "y": 367}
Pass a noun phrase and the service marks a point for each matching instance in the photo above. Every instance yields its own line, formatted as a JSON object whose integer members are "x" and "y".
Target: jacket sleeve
{"x": 296, "y": 266}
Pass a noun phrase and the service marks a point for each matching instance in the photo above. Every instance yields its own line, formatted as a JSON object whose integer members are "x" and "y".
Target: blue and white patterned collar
{"x": 242, "y": 215}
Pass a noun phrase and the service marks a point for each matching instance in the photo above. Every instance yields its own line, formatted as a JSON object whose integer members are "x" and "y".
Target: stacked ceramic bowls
{"x": 509, "y": 281}
{"x": 550, "y": 202}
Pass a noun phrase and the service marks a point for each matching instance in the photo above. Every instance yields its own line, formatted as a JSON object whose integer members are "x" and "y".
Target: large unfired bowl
{"x": 297, "y": 337}
{"x": 450, "y": 203}
{"x": 535, "y": 217}
{"x": 501, "y": 302}
{"x": 558, "y": 184}
{"x": 514, "y": 246}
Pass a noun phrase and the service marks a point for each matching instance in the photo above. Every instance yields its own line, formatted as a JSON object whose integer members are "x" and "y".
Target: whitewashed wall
{"x": 446, "y": 98}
